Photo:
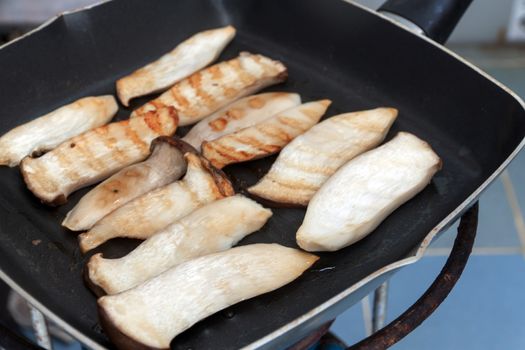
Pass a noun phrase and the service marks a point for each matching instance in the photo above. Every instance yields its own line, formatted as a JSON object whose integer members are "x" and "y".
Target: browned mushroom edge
{"x": 121, "y": 340}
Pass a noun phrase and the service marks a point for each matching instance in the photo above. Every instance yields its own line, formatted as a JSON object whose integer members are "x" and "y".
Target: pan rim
{"x": 411, "y": 258}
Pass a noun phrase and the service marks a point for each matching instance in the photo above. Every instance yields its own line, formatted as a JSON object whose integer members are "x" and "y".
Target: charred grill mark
{"x": 42, "y": 172}
{"x": 103, "y": 130}
{"x": 275, "y": 133}
{"x": 152, "y": 121}
{"x": 68, "y": 164}
{"x": 196, "y": 84}
{"x": 220, "y": 155}
{"x": 136, "y": 140}
{"x": 118, "y": 154}
{"x": 291, "y": 122}
{"x": 235, "y": 113}
{"x": 242, "y": 74}
{"x": 95, "y": 163}
{"x": 256, "y": 102}
{"x": 181, "y": 101}
{"x": 218, "y": 124}
{"x": 196, "y": 81}
{"x": 257, "y": 59}
{"x": 235, "y": 64}
{"x": 262, "y": 146}
{"x": 216, "y": 73}
{"x": 360, "y": 127}
{"x": 157, "y": 104}
{"x": 229, "y": 92}
{"x": 83, "y": 153}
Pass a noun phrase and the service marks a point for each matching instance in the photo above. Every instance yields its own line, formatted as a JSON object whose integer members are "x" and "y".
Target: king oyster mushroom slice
{"x": 153, "y": 211}
{"x": 46, "y": 132}
{"x": 360, "y": 195}
{"x": 165, "y": 165}
{"x": 152, "y": 314}
{"x": 188, "y": 57}
{"x": 243, "y": 113}
{"x": 214, "y": 227}
{"x": 309, "y": 160}
{"x": 212, "y": 88}
{"x": 95, "y": 155}
{"x": 265, "y": 138}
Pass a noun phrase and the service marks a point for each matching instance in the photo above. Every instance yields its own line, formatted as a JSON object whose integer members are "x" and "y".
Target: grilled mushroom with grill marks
{"x": 165, "y": 165}
{"x": 362, "y": 193}
{"x": 212, "y": 88}
{"x": 153, "y": 211}
{"x": 49, "y": 131}
{"x": 95, "y": 155}
{"x": 188, "y": 57}
{"x": 309, "y": 160}
{"x": 153, "y": 313}
{"x": 241, "y": 114}
{"x": 265, "y": 138}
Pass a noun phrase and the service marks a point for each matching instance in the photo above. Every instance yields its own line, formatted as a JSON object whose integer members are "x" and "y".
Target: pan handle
{"x": 436, "y": 18}
{"x": 435, "y": 294}
{"x": 425, "y": 306}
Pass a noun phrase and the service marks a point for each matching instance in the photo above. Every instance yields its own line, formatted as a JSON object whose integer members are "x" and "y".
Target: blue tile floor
{"x": 496, "y": 231}
{"x": 485, "y": 310}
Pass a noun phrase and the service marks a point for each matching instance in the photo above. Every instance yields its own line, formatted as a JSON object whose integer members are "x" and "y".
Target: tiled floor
{"x": 484, "y": 311}
{"x": 486, "y": 308}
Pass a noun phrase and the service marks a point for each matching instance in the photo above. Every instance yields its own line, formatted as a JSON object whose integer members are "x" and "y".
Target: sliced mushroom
{"x": 188, "y": 57}
{"x": 265, "y": 138}
{"x": 243, "y": 113}
{"x": 205, "y": 92}
{"x": 152, "y": 314}
{"x": 48, "y": 131}
{"x": 212, "y": 228}
{"x": 362, "y": 193}
{"x": 165, "y": 165}
{"x": 308, "y": 161}
{"x": 153, "y": 211}
{"x": 94, "y": 155}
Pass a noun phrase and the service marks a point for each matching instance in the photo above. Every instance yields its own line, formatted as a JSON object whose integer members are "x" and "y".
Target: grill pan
{"x": 333, "y": 49}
